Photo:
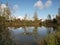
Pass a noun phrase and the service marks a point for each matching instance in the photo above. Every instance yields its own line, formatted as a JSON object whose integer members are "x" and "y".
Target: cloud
{"x": 15, "y": 7}
{"x": 3, "y": 6}
{"x": 20, "y": 17}
{"x": 48, "y": 3}
{"x": 39, "y": 4}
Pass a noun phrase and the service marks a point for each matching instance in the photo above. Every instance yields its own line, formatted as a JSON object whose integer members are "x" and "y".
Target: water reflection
{"x": 30, "y": 35}
{"x": 50, "y": 30}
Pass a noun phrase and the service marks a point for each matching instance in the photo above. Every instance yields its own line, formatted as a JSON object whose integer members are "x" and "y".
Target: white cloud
{"x": 21, "y": 17}
{"x": 39, "y": 4}
{"x": 3, "y": 6}
{"x": 15, "y": 7}
{"x": 48, "y": 3}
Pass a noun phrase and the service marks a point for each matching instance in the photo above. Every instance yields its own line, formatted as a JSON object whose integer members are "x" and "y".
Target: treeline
{"x": 52, "y": 22}
{"x": 9, "y": 21}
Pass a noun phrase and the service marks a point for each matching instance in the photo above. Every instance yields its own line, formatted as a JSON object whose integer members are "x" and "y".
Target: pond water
{"x": 30, "y": 35}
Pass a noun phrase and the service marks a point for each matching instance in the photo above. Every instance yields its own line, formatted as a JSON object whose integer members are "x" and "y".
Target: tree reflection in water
{"x": 28, "y": 37}
{"x": 37, "y": 39}
{"x": 31, "y": 34}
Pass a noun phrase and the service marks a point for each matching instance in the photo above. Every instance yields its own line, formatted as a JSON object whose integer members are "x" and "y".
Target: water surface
{"x": 30, "y": 35}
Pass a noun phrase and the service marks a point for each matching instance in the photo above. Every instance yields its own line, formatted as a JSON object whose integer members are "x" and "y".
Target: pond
{"x": 30, "y": 35}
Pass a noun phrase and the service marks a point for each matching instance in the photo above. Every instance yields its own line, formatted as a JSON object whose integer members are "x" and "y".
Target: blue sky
{"x": 43, "y": 7}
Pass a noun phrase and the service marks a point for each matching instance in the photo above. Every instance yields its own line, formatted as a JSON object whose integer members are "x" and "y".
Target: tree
{"x": 54, "y": 20}
{"x": 59, "y": 11}
{"x": 35, "y": 16}
{"x": 58, "y": 19}
{"x": 49, "y": 17}
{"x": 5, "y": 37}
{"x": 5, "y": 11}
{"x": 0, "y": 8}
{"x": 25, "y": 18}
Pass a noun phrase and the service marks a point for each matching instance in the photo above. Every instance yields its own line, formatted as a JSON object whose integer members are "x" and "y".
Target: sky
{"x": 43, "y": 7}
